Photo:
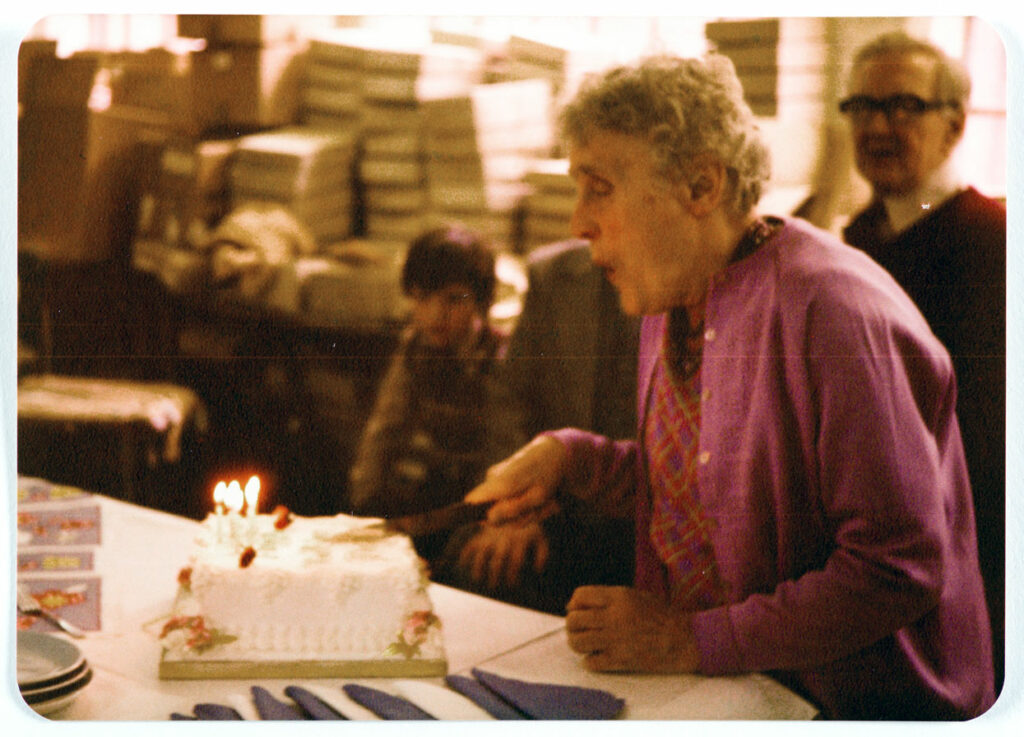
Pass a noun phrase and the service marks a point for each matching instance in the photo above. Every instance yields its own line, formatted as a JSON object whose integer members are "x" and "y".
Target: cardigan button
{"x": 704, "y": 457}
{"x": 709, "y": 334}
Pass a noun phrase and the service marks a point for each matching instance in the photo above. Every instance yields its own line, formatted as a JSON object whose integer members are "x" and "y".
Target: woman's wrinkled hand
{"x": 623, "y": 629}
{"x": 523, "y": 486}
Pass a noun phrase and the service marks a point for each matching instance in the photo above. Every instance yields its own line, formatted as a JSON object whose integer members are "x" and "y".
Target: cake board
{"x": 175, "y": 667}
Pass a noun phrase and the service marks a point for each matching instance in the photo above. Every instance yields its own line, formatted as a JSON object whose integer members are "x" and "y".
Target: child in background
{"x": 442, "y": 414}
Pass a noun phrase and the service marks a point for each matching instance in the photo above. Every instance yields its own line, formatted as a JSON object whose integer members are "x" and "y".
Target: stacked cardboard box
{"x": 78, "y": 164}
{"x": 780, "y": 62}
{"x": 551, "y": 58}
{"x": 331, "y": 92}
{"x": 251, "y": 30}
{"x": 354, "y": 76}
{"x": 185, "y": 197}
{"x": 382, "y": 83}
{"x": 87, "y": 119}
{"x": 356, "y": 285}
{"x": 305, "y": 169}
{"x": 752, "y": 46}
{"x": 786, "y": 67}
{"x": 479, "y": 146}
{"x": 548, "y": 208}
{"x": 248, "y": 72}
{"x": 203, "y": 90}
{"x": 79, "y": 156}
{"x": 188, "y": 193}
{"x": 55, "y": 163}
{"x": 391, "y": 174}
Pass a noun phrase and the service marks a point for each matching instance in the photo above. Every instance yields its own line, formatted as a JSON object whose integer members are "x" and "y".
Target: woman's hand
{"x": 523, "y": 486}
{"x": 624, "y": 629}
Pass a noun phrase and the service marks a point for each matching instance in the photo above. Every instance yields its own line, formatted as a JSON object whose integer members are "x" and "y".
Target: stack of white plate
{"x": 51, "y": 671}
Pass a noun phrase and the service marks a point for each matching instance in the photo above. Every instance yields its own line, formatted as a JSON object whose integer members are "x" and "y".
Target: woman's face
{"x": 640, "y": 229}
{"x": 446, "y": 317}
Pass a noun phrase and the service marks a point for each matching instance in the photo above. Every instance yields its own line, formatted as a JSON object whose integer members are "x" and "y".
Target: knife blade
{"x": 441, "y": 519}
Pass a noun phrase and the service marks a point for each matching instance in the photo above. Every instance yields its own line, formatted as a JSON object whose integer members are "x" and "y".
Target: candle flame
{"x": 219, "y": 492}
{"x": 233, "y": 497}
{"x": 252, "y": 493}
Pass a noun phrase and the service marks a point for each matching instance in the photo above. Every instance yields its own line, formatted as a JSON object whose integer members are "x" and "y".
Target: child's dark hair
{"x": 451, "y": 254}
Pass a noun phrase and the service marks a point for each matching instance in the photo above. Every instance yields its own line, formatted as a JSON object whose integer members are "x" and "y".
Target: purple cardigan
{"x": 832, "y": 468}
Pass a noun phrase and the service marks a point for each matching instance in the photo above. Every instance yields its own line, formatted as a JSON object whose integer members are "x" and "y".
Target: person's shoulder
{"x": 803, "y": 248}
{"x": 570, "y": 256}
{"x": 982, "y": 211}
{"x": 815, "y": 267}
{"x": 975, "y": 198}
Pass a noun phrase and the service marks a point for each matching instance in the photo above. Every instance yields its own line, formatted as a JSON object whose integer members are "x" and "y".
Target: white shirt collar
{"x": 939, "y": 186}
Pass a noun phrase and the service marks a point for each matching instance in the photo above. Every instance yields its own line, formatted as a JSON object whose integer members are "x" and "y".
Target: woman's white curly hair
{"x": 683, "y": 108}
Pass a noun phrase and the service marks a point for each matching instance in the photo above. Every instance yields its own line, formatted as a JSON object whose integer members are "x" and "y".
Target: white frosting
{"x": 324, "y": 588}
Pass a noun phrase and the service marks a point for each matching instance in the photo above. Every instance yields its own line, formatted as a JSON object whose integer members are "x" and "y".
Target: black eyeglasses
{"x": 895, "y": 107}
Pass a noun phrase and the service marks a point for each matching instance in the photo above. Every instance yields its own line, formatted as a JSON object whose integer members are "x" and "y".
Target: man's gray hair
{"x": 683, "y": 108}
{"x": 952, "y": 82}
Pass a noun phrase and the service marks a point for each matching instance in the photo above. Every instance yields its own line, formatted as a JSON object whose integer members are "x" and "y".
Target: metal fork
{"x": 28, "y": 605}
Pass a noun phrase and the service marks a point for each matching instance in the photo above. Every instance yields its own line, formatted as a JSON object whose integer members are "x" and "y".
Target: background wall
{"x": 811, "y": 57}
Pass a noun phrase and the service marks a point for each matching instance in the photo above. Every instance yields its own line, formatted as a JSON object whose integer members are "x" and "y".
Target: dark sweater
{"x": 952, "y": 263}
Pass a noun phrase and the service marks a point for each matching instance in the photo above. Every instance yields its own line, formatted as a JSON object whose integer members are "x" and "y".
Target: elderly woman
{"x": 798, "y": 482}
{"x": 442, "y": 414}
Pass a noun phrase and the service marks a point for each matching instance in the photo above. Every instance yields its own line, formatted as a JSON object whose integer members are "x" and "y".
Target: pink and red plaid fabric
{"x": 679, "y": 527}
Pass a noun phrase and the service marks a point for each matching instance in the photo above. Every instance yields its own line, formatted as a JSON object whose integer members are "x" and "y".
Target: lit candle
{"x": 233, "y": 500}
{"x": 233, "y": 497}
{"x": 252, "y": 493}
{"x": 219, "y": 492}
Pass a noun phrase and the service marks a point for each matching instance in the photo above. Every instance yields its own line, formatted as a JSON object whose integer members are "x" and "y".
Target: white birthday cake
{"x": 301, "y": 596}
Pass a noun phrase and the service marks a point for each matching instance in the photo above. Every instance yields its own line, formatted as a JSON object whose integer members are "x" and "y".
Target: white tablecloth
{"x": 142, "y": 551}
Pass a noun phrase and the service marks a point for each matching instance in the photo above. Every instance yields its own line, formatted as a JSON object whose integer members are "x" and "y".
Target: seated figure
{"x": 571, "y": 363}
{"x": 442, "y": 414}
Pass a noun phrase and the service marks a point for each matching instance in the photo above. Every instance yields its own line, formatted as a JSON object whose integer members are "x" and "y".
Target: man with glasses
{"x": 945, "y": 244}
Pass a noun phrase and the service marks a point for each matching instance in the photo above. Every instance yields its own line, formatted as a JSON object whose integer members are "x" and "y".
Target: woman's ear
{"x": 704, "y": 187}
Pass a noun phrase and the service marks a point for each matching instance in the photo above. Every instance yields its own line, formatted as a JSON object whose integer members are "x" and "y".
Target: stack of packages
{"x": 223, "y": 76}
{"x": 179, "y": 203}
{"x": 245, "y": 75}
{"x": 783, "y": 65}
{"x": 549, "y": 58}
{"x": 398, "y": 84}
{"x": 291, "y": 198}
{"x": 548, "y": 207}
{"x": 305, "y": 169}
{"x": 331, "y": 93}
{"x": 479, "y": 147}
{"x": 373, "y": 86}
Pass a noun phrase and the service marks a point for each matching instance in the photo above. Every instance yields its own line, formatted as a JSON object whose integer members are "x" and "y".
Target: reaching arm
{"x": 591, "y": 467}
